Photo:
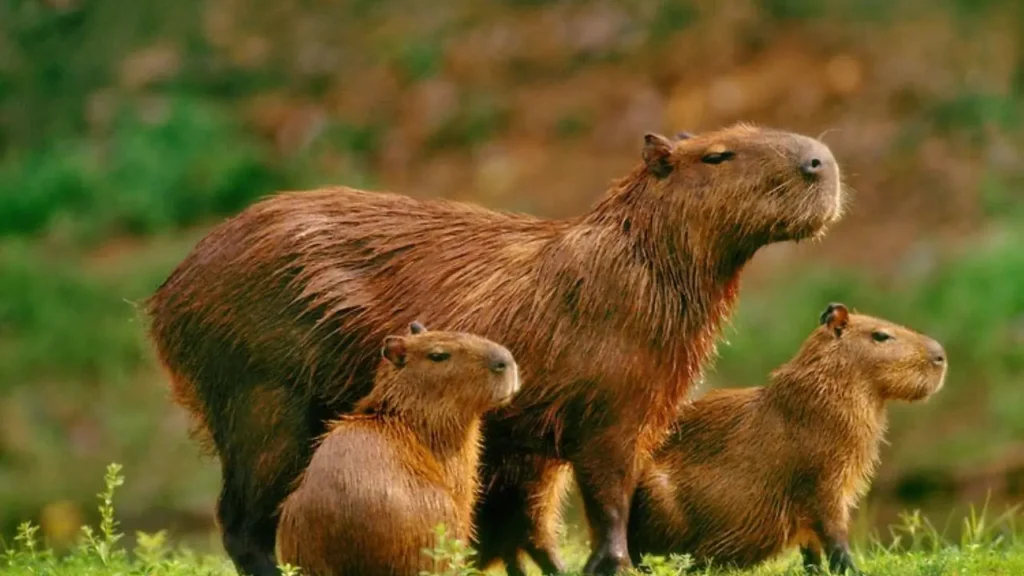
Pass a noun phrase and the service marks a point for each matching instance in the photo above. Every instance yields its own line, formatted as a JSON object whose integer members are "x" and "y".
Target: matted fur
{"x": 610, "y": 316}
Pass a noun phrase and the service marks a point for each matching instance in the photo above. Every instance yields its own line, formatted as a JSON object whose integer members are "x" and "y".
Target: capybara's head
{"x": 746, "y": 184}
{"x": 449, "y": 370}
{"x": 892, "y": 361}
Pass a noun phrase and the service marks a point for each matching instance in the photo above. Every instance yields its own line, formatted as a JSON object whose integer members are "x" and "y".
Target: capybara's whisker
{"x": 826, "y": 131}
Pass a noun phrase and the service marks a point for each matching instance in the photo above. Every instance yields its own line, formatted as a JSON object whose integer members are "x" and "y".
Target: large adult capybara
{"x": 271, "y": 325}
{"x": 383, "y": 478}
{"x": 750, "y": 473}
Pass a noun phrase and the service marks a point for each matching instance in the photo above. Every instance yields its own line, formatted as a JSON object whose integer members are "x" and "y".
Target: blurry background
{"x": 127, "y": 129}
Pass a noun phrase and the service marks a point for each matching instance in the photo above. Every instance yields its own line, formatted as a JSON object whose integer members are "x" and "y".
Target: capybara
{"x": 271, "y": 325}
{"x": 750, "y": 473}
{"x": 406, "y": 461}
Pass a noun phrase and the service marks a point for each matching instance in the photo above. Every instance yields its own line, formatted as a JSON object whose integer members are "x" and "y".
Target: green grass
{"x": 987, "y": 548}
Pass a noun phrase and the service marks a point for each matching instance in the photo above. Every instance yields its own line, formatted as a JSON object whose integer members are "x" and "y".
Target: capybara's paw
{"x": 606, "y": 562}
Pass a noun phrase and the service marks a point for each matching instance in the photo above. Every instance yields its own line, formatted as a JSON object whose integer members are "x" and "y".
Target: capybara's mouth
{"x": 836, "y": 198}
{"x": 507, "y": 390}
{"x": 928, "y": 386}
{"x": 937, "y": 385}
{"x": 828, "y": 197}
{"x": 796, "y": 231}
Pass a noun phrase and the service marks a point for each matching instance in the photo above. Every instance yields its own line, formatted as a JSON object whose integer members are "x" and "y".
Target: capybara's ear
{"x": 416, "y": 327}
{"x": 684, "y": 135}
{"x": 657, "y": 152}
{"x": 394, "y": 350}
{"x": 835, "y": 317}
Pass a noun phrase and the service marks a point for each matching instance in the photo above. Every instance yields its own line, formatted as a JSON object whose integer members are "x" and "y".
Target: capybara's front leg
{"x": 247, "y": 533}
{"x": 546, "y": 557}
{"x": 832, "y": 533}
{"x": 811, "y": 560}
{"x": 607, "y": 509}
{"x": 839, "y": 559}
{"x": 606, "y": 479}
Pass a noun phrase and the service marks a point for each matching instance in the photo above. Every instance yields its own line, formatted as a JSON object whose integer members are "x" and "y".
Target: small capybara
{"x": 406, "y": 461}
{"x": 270, "y": 327}
{"x": 750, "y": 473}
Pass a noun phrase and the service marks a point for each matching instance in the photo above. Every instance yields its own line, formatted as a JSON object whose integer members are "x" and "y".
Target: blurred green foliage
{"x": 55, "y": 55}
{"x": 188, "y": 164}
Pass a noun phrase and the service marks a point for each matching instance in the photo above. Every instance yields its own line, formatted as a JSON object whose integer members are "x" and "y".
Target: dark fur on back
{"x": 610, "y": 315}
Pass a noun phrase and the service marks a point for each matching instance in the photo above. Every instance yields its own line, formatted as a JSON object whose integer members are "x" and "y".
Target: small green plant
{"x": 914, "y": 533}
{"x": 673, "y": 565}
{"x": 99, "y": 551}
{"x": 151, "y": 549}
{"x": 450, "y": 556}
{"x": 27, "y": 538}
{"x": 104, "y": 543}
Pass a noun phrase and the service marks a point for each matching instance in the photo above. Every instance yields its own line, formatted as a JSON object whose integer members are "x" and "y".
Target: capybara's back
{"x": 383, "y": 479}
{"x": 750, "y": 473}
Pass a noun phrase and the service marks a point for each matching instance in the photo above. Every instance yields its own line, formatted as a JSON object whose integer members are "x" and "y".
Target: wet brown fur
{"x": 405, "y": 462}
{"x": 610, "y": 315}
{"x": 750, "y": 473}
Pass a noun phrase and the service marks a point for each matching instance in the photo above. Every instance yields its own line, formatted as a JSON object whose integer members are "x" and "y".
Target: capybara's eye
{"x": 879, "y": 336}
{"x": 438, "y": 356}
{"x": 717, "y": 157}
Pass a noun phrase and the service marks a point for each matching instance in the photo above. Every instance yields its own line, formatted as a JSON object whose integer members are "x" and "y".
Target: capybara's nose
{"x": 499, "y": 360}
{"x": 936, "y": 353}
{"x": 816, "y": 160}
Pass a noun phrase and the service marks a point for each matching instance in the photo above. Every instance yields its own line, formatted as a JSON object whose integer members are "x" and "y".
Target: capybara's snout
{"x": 814, "y": 160}
{"x": 503, "y": 368}
{"x": 936, "y": 353}
{"x": 499, "y": 360}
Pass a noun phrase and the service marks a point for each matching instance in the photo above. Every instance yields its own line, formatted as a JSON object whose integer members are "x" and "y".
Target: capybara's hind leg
{"x": 514, "y": 565}
{"x": 500, "y": 515}
{"x": 545, "y": 497}
{"x": 248, "y": 536}
{"x": 546, "y": 558}
{"x": 265, "y": 448}
{"x": 811, "y": 560}
{"x": 520, "y": 510}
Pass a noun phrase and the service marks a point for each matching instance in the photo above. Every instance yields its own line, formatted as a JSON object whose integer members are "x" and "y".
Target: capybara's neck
{"x": 634, "y": 265}
{"x": 443, "y": 426}
{"x": 829, "y": 407}
{"x": 680, "y": 236}
{"x": 681, "y": 272}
